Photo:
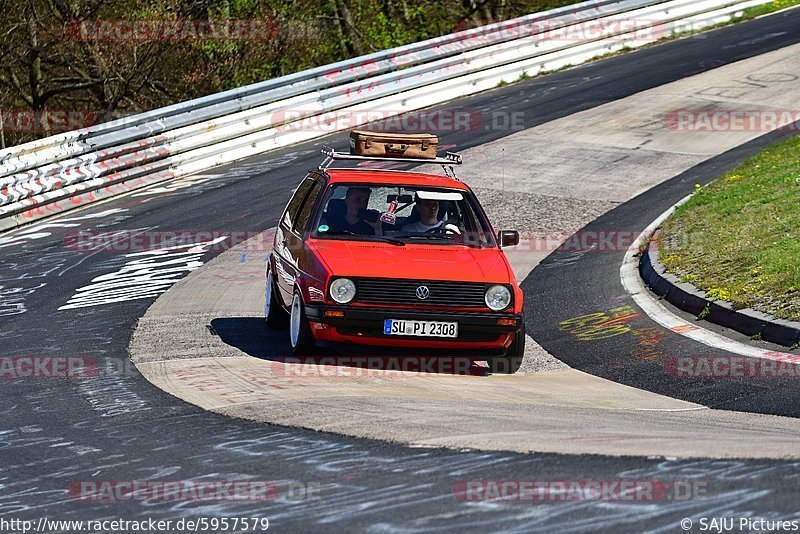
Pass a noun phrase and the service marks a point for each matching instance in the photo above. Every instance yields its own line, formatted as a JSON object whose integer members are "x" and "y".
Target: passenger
{"x": 356, "y": 198}
{"x": 428, "y": 217}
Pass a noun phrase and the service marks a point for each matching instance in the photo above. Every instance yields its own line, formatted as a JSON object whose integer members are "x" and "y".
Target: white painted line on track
{"x": 633, "y": 283}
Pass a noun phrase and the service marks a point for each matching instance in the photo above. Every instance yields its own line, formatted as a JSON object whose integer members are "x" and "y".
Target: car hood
{"x": 417, "y": 262}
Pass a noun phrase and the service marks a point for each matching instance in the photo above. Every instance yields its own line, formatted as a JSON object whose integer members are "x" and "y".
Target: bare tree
{"x": 49, "y": 64}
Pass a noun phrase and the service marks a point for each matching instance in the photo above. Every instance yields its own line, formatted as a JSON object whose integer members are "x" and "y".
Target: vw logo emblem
{"x": 423, "y": 292}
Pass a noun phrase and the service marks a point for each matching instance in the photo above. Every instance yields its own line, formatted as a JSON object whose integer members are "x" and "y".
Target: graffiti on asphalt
{"x": 600, "y": 325}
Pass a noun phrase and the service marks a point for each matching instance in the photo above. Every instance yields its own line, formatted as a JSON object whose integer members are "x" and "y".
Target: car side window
{"x": 293, "y": 209}
{"x": 475, "y": 229}
{"x": 301, "y": 220}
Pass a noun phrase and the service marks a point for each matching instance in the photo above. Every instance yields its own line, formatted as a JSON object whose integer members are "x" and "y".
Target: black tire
{"x": 300, "y": 337}
{"x": 511, "y": 361}
{"x": 276, "y": 316}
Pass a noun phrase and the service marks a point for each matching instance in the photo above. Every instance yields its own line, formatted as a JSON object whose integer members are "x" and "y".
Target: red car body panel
{"x": 419, "y": 262}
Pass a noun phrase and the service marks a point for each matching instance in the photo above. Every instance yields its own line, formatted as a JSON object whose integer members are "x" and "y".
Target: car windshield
{"x": 402, "y": 214}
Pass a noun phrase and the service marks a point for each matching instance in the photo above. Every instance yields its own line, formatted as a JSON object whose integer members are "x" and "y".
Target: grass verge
{"x": 777, "y": 5}
{"x": 739, "y": 238}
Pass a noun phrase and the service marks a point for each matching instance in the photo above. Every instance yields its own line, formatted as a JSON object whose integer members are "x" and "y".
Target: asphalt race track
{"x": 114, "y": 425}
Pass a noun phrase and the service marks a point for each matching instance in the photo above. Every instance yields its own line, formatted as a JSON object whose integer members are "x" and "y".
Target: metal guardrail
{"x": 30, "y": 154}
{"x": 110, "y": 158}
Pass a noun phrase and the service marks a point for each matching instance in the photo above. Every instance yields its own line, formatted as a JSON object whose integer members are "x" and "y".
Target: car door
{"x": 289, "y": 241}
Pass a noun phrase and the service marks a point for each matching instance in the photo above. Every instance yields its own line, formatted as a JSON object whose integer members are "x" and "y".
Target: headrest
{"x": 336, "y": 207}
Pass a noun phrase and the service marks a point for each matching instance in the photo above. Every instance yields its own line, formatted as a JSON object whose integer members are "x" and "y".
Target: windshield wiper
{"x": 439, "y": 237}
{"x": 367, "y": 237}
{"x": 386, "y": 239}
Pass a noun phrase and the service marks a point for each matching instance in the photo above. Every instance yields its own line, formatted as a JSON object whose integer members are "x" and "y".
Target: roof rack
{"x": 446, "y": 162}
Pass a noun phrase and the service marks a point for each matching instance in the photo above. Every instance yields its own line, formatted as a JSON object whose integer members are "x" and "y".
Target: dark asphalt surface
{"x": 571, "y": 283}
{"x": 116, "y": 426}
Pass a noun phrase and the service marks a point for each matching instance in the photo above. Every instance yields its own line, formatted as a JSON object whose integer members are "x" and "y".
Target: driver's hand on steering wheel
{"x": 447, "y": 227}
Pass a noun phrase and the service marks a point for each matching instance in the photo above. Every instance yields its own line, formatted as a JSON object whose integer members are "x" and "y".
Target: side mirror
{"x": 508, "y": 238}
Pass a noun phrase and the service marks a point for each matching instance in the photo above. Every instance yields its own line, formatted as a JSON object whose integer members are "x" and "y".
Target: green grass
{"x": 771, "y": 7}
{"x": 739, "y": 238}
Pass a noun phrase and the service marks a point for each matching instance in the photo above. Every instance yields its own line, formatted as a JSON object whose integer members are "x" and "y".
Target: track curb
{"x": 690, "y": 299}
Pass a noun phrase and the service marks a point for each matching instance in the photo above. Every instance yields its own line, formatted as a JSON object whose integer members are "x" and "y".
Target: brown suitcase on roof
{"x": 364, "y": 143}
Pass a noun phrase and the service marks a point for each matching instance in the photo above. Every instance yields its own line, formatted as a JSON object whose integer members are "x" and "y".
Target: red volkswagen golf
{"x": 394, "y": 259}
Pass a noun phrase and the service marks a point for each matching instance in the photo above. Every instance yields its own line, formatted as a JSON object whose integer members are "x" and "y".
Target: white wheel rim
{"x": 294, "y": 323}
{"x": 269, "y": 293}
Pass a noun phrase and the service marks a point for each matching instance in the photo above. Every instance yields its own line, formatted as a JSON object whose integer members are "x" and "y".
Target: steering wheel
{"x": 448, "y": 227}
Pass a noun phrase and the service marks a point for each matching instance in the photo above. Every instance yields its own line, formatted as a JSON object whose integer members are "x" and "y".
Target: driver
{"x": 428, "y": 210}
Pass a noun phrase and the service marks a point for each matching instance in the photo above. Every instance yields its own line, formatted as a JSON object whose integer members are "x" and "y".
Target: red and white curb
{"x": 633, "y": 283}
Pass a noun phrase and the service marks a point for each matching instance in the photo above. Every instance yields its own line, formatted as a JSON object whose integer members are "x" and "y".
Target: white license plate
{"x": 406, "y": 327}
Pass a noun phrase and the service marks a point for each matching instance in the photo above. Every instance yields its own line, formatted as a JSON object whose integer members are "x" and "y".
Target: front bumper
{"x": 365, "y": 326}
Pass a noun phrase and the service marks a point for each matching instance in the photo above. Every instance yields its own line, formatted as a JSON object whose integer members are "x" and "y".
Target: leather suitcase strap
{"x": 400, "y": 149}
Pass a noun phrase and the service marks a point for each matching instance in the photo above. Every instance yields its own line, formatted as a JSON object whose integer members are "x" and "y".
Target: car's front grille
{"x": 404, "y": 292}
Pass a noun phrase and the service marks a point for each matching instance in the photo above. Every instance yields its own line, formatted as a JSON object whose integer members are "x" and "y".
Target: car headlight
{"x": 343, "y": 290}
{"x": 498, "y": 298}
